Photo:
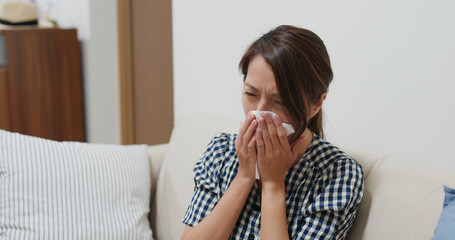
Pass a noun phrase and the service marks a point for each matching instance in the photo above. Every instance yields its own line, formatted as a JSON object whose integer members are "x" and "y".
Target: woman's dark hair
{"x": 302, "y": 70}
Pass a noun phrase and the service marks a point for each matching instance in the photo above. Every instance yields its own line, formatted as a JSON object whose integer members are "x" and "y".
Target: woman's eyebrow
{"x": 251, "y": 87}
{"x": 275, "y": 93}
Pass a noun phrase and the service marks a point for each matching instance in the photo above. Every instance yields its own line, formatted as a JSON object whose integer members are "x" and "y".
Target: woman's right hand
{"x": 245, "y": 145}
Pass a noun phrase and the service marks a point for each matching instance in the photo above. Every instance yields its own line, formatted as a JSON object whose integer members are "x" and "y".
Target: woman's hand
{"x": 274, "y": 153}
{"x": 245, "y": 145}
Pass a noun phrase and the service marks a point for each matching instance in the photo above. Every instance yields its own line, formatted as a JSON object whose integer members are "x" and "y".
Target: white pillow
{"x": 72, "y": 190}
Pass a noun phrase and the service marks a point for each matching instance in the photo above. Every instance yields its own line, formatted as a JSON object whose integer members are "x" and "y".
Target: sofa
{"x": 403, "y": 199}
{"x": 70, "y": 190}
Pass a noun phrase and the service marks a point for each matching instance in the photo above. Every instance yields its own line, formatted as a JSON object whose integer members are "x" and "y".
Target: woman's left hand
{"x": 274, "y": 153}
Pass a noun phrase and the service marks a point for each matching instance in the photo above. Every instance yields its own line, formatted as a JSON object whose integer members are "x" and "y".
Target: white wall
{"x": 101, "y": 78}
{"x": 68, "y": 13}
{"x": 393, "y": 63}
{"x": 96, "y": 22}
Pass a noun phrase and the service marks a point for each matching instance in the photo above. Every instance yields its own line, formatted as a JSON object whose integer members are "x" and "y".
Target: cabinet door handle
{"x": 3, "y": 57}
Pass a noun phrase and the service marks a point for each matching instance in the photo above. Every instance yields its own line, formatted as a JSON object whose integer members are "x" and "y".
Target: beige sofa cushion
{"x": 402, "y": 200}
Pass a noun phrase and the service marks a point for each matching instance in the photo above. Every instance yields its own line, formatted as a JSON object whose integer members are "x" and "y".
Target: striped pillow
{"x": 71, "y": 190}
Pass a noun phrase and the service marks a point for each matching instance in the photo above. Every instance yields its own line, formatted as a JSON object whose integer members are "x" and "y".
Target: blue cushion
{"x": 446, "y": 225}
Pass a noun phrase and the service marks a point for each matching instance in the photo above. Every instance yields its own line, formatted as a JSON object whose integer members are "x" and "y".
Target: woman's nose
{"x": 263, "y": 106}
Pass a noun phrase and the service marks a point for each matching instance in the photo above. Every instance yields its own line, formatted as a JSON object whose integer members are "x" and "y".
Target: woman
{"x": 308, "y": 188}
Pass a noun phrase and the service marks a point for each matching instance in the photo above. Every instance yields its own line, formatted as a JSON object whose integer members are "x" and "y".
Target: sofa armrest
{"x": 156, "y": 154}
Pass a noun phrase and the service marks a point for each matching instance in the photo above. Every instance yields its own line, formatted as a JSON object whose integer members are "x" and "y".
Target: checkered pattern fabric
{"x": 323, "y": 191}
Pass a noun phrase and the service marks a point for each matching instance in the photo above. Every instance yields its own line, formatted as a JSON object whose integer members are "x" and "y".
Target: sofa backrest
{"x": 402, "y": 199}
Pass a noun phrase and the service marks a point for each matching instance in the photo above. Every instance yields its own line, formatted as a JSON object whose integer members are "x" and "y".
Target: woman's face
{"x": 259, "y": 89}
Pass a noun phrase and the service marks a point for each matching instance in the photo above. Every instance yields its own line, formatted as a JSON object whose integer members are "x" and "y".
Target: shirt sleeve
{"x": 206, "y": 181}
{"x": 333, "y": 210}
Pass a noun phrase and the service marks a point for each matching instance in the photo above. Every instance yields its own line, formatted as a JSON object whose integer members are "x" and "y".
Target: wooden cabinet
{"x": 40, "y": 83}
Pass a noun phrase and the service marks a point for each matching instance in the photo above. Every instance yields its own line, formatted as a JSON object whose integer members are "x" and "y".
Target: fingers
{"x": 252, "y": 148}
{"x": 249, "y": 132}
{"x": 265, "y": 133}
{"x": 244, "y": 142}
{"x": 281, "y": 133}
{"x": 246, "y": 123}
{"x": 246, "y": 147}
{"x": 260, "y": 146}
{"x": 243, "y": 128}
{"x": 274, "y": 133}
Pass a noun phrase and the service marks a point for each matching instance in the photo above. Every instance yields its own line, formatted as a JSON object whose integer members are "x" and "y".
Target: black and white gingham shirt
{"x": 323, "y": 191}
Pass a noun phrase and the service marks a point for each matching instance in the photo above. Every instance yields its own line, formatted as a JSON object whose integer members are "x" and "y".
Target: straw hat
{"x": 18, "y": 14}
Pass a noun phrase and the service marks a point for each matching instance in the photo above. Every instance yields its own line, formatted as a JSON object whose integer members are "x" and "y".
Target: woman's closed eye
{"x": 277, "y": 100}
{"x": 249, "y": 94}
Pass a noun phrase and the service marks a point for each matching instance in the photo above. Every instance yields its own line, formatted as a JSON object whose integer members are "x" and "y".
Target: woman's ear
{"x": 317, "y": 107}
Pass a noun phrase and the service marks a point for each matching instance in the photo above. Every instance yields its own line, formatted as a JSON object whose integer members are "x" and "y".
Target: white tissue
{"x": 288, "y": 127}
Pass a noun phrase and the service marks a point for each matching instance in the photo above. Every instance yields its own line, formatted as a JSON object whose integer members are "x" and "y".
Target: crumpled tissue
{"x": 288, "y": 127}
